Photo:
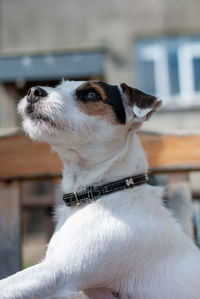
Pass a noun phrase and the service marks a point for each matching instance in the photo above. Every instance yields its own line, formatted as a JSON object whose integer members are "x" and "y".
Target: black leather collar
{"x": 90, "y": 194}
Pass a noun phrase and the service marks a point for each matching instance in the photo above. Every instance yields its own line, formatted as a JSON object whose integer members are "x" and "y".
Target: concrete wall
{"x": 34, "y": 25}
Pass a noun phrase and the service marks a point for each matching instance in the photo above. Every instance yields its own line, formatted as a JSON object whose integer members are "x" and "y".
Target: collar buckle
{"x": 76, "y": 198}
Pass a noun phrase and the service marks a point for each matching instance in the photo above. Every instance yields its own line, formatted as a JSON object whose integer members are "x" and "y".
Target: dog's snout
{"x": 35, "y": 93}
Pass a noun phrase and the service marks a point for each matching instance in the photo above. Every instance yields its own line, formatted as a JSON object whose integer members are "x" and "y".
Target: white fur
{"x": 125, "y": 242}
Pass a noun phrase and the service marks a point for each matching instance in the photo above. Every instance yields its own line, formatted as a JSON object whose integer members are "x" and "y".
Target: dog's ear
{"x": 138, "y": 104}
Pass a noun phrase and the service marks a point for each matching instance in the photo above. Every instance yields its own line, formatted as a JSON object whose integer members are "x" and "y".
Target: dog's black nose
{"x": 35, "y": 93}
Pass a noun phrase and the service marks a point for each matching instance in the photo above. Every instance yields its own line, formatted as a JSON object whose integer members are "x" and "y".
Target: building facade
{"x": 151, "y": 44}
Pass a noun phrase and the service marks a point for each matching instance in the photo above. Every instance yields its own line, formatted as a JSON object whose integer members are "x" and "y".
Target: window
{"x": 170, "y": 69}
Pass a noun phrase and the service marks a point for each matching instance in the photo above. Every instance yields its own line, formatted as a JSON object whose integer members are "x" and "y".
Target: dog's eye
{"x": 91, "y": 96}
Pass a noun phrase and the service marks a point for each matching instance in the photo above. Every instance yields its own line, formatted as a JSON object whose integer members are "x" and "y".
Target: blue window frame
{"x": 170, "y": 68}
{"x": 196, "y": 73}
{"x": 52, "y": 66}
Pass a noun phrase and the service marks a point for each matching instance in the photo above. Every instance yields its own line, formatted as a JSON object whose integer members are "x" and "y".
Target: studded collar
{"x": 91, "y": 193}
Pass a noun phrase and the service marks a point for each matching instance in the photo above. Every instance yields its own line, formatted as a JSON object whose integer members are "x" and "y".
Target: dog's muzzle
{"x": 34, "y": 95}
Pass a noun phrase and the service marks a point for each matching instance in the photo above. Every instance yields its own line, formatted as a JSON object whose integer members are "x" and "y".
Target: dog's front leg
{"x": 40, "y": 281}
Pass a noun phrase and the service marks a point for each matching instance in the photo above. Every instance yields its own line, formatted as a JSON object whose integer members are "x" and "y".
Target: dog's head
{"x": 82, "y": 111}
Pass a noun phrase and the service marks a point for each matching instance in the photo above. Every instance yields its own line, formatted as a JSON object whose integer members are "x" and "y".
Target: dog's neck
{"x": 102, "y": 162}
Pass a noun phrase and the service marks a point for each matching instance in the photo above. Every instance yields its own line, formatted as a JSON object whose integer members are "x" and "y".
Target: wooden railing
{"x": 22, "y": 160}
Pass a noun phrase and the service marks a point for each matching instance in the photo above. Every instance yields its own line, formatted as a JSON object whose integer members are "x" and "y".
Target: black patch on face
{"x": 138, "y": 97}
{"x": 142, "y": 99}
{"x": 112, "y": 97}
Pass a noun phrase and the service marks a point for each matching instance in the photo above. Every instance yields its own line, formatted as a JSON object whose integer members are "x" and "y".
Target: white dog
{"x": 113, "y": 239}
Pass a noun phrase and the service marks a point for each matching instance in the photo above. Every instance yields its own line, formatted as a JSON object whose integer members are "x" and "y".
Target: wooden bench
{"x": 22, "y": 160}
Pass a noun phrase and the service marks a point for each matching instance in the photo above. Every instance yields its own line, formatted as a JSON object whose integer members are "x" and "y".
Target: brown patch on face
{"x": 127, "y": 90}
{"x": 100, "y": 91}
{"x": 101, "y": 99}
{"x": 95, "y": 86}
{"x": 98, "y": 109}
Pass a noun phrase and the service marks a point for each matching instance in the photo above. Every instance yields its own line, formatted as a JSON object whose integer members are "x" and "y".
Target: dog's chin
{"x": 40, "y": 128}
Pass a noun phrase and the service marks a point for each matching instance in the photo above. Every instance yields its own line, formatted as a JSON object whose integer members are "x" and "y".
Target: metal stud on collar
{"x": 129, "y": 182}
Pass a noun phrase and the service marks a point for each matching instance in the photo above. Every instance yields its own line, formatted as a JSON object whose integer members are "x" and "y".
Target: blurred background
{"x": 153, "y": 45}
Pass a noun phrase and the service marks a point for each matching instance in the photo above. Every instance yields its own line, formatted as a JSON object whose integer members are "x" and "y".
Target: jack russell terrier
{"x": 114, "y": 238}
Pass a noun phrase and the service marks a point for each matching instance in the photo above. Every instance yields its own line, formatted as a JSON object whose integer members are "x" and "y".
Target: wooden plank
{"x": 172, "y": 152}
{"x": 10, "y": 228}
{"x": 38, "y": 201}
{"x": 49, "y": 223}
{"x": 180, "y": 200}
{"x": 38, "y": 193}
{"x": 22, "y": 158}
